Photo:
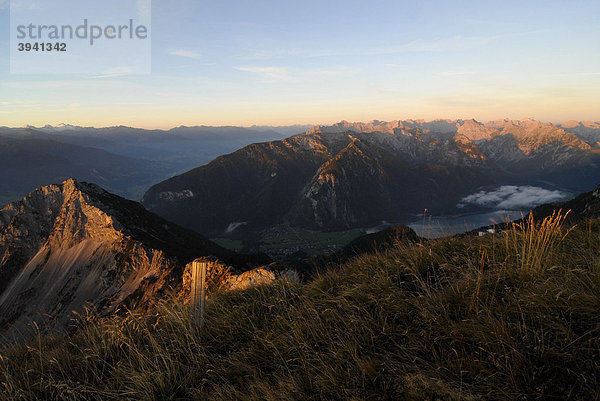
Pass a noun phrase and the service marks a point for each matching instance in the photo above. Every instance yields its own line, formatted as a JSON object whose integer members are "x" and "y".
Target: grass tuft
{"x": 532, "y": 243}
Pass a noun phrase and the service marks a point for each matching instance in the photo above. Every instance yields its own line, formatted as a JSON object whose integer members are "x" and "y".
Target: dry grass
{"x": 503, "y": 317}
{"x": 532, "y": 243}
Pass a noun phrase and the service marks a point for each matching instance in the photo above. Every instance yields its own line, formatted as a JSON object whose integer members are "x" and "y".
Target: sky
{"x": 273, "y": 62}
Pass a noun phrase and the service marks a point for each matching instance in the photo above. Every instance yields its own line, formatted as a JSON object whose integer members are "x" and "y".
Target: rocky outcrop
{"x": 72, "y": 246}
{"x": 221, "y": 276}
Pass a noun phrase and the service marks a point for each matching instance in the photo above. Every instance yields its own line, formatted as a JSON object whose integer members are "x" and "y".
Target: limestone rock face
{"x": 67, "y": 247}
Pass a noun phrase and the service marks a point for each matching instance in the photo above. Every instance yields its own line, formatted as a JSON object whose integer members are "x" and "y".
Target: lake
{"x": 443, "y": 226}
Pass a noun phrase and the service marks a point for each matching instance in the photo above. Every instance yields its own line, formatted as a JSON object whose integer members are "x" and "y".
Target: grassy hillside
{"x": 513, "y": 316}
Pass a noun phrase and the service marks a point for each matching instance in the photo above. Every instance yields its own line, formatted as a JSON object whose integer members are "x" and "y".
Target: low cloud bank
{"x": 512, "y": 197}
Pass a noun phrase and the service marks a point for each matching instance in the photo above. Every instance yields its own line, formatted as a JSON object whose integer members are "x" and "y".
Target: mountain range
{"x": 351, "y": 175}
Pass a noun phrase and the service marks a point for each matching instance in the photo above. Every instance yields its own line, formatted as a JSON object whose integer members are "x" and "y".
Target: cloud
{"x": 115, "y": 72}
{"x": 85, "y": 85}
{"x": 456, "y": 43}
{"x": 284, "y": 74}
{"x": 330, "y": 72}
{"x": 573, "y": 74}
{"x": 268, "y": 73}
{"x": 512, "y": 197}
{"x": 186, "y": 53}
{"x": 433, "y": 45}
{"x": 456, "y": 73}
{"x": 439, "y": 44}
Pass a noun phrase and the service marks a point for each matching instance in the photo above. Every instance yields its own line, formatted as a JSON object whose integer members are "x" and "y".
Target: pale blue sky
{"x": 283, "y": 62}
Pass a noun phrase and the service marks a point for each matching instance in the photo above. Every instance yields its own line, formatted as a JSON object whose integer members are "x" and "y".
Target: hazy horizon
{"x": 166, "y": 128}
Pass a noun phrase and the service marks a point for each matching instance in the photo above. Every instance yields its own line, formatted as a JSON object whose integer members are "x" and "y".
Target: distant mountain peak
{"x": 474, "y": 130}
{"x": 61, "y": 127}
{"x": 531, "y": 134}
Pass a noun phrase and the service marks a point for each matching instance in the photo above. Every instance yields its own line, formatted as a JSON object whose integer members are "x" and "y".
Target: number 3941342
{"x": 42, "y": 47}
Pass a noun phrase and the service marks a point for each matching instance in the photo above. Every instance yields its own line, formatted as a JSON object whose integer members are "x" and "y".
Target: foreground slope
{"x": 72, "y": 245}
{"x": 471, "y": 318}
